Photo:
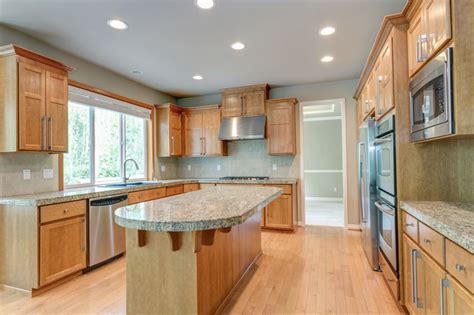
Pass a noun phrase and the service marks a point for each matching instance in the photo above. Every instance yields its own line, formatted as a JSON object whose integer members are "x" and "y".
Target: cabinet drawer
{"x": 176, "y": 190}
{"x": 286, "y": 188}
{"x": 410, "y": 226}
{"x": 62, "y": 211}
{"x": 460, "y": 264}
{"x": 146, "y": 195}
{"x": 190, "y": 187}
{"x": 432, "y": 242}
{"x": 390, "y": 277}
{"x": 204, "y": 186}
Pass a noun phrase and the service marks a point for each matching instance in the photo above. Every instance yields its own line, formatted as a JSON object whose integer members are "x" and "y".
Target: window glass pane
{"x": 77, "y": 163}
{"x": 107, "y": 145}
{"x": 135, "y": 145}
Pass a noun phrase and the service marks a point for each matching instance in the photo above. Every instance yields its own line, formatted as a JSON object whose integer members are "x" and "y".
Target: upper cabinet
{"x": 33, "y": 102}
{"x": 201, "y": 132}
{"x": 169, "y": 130}
{"x": 429, "y": 30}
{"x": 281, "y": 126}
{"x": 244, "y": 101}
{"x": 384, "y": 83}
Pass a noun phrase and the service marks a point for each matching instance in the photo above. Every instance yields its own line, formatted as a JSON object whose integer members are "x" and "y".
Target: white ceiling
{"x": 172, "y": 40}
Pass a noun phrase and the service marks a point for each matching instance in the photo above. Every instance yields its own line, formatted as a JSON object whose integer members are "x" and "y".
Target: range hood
{"x": 243, "y": 128}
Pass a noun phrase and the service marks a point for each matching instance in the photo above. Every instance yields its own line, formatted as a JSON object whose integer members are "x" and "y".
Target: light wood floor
{"x": 318, "y": 270}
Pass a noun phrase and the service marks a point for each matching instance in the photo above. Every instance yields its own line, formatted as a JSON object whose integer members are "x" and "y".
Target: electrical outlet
{"x": 335, "y": 189}
{"x": 163, "y": 168}
{"x": 218, "y": 167}
{"x": 189, "y": 167}
{"x": 26, "y": 174}
{"x": 48, "y": 173}
{"x": 274, "y": 167}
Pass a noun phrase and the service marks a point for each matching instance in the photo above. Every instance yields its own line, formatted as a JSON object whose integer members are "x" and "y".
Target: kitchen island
{"x": 186, "y": 253}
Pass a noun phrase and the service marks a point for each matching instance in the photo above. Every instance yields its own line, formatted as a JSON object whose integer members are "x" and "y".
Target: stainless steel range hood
{"x": 243, "y": 128}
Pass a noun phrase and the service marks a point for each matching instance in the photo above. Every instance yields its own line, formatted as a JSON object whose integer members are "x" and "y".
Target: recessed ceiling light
{"x": 328, "y": 30}
{"x": 327, "y": 59}
{"x": 117, "y": 24}
{"x": 238, "y": 46}
{"x": 205, "y": 4}
{"x": 136, "y": 72}
{"x": 197, "y": 77}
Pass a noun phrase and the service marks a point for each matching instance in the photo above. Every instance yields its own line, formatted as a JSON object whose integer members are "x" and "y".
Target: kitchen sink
{"x": 131, "y": 184}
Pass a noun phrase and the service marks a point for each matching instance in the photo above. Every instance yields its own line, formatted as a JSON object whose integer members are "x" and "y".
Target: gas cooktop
{"x": 245, "y": 178}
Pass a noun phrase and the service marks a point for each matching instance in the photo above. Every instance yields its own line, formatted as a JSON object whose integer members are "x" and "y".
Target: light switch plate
{"x": 218, "y": 167}
{"x": 274, "y": 167}
{"x": 26, "y": 174}
{"x": 48, "y": 173}
{"x": 189, "y": 167}
{"x": 163, "y": 168}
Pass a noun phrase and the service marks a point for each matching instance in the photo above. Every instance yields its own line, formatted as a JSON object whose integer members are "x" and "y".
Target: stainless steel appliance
{"x": 367, "y": 190}
{"x": 431, "y": 99}
{"x": 106, "y": 238}
{"x": 242, "y": 128}
{"x": 386, "y": 189}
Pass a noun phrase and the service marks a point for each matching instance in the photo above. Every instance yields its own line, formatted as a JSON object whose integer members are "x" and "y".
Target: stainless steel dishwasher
{"x": 106, "y": 238}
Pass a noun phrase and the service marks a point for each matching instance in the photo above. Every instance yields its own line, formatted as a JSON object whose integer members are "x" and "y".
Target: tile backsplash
{"x": 11, "y": 173}
{"x": 245, "y": 158}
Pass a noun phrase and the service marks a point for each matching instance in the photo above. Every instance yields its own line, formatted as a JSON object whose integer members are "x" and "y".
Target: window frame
{"x": 92, "y": 179}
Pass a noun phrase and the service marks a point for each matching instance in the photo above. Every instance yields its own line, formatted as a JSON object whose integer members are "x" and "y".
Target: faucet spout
{"x": 125, "y": 178}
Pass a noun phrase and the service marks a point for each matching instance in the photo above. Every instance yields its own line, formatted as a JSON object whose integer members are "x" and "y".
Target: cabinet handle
{"x": 204, "y": 145}
{"x": 442, "y": 284}
{"x": 414, "y": 280}
{"x": 241, "y": 106}
{"x": 366, "y": 108}
{"x": 44, "y": 130}
{"x": 83, "y": 227}
{"x": 427, "y": 241}
{"x": 418, "y": 41}
{"x": 172, "y": 145}
{"x": 202, "y": 150}
{"x": 50, "y": 120}
{"x": 409, "y": 224}
{"x": 460, "y": 267}
{"x": 66, "y": 211}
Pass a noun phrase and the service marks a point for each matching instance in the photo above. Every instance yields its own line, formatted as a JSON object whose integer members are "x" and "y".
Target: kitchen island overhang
{"x": 186, "y": 253}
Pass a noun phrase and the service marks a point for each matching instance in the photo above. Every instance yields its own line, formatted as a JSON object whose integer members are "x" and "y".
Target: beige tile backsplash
{"x": 11, "y": 173}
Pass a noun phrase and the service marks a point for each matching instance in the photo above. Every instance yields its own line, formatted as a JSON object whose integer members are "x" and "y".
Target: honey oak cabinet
{"x": 458, "y": 299}
{"x": 429, "y": 30}
{"x": 244, "y": 101}
{"x": 34, "y": 102}
{"x": 201, "y": 132}
{"x": 278, "y": 214}
{"x": 281, "y": 126}
{"x": 169, "y": 130}
{"x": 384, "y": 80}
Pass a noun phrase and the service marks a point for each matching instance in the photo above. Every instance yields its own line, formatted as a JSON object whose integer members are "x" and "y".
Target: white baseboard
{"x": 353, "y": 227}
{"x": 300, "y": 223}
{"x": 323, "y": 199}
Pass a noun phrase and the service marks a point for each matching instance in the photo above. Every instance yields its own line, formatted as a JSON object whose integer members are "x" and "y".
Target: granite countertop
{"x": 47, "y": 198}
{"x": 211, "y": 208}
{"x": 453, "y": 220}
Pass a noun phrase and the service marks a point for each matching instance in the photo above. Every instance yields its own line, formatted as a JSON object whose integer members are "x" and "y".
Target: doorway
{"x": 323, "y": 162}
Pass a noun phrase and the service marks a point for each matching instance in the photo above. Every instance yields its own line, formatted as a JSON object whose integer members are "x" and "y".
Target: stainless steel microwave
{"x": 431, "y": 99}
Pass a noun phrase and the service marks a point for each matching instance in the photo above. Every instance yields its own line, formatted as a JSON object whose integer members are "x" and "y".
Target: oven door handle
{"x": 385, "y": 209}
{"x": 382, "y": 141}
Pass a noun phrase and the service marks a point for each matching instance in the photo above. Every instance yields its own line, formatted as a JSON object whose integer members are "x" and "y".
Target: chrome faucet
{"x": 125, "y": 178}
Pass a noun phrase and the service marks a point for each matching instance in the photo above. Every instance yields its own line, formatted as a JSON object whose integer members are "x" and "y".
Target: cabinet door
{"x": 281, "y": 128}
{"x": 433, "y": 275}
{"x": 437, "y": 23}
{"x": 193, "y": 143}
{"x": 57, "y": 111}
{"x": 371, "y": 91}
{"x": 62, "y": 249}
{"x": 377, "y": 73}
{"x": 458, "y": 299}
{"x": 211, "y": 121}
{"x": 279, "y": 213}
{"x": 386, "y": 77}
{"x": 411, "y": 278}
{"x": 254, "y": 103}
{"x": 31, "y": 108}
{"x": 414, "y": 45}
{"x": 176, "y": 145}
{"x": 232, "y": 105}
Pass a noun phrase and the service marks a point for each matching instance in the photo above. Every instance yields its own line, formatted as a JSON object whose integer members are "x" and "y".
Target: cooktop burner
{"x": 245, "y": 178}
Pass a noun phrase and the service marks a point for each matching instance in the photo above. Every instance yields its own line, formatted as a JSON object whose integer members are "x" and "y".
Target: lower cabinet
{"x": 62, "y": 249}
{"x": 279, "y": 213}
{"x": 458, "y": 299}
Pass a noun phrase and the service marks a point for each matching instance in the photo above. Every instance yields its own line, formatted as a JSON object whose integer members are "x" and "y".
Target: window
{"x": 100, "y": 140}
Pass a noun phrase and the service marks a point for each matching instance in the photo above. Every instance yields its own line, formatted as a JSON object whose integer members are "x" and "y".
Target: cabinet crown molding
{"x": 240, "y": 89}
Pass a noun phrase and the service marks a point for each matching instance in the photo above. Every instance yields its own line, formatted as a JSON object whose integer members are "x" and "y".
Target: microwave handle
{"x": 385, "y": 209}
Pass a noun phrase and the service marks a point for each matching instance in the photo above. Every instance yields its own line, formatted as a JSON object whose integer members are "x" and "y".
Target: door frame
{"x": 342, "y": 101}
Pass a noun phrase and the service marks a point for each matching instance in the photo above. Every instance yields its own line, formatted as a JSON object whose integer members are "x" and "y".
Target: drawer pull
{"x": 66, "y": 211}
{"x": 427, "y": 241}
{"x": 460, "y": 267}
{"x": 409, "y": 224}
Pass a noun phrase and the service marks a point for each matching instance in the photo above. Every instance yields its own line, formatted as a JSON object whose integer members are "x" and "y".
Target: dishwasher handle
{"x": 108, "y": 201}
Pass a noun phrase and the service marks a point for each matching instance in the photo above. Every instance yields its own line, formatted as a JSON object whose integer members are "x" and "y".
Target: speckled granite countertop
{"x": 42, "y": 199}
{"x": 210, "y": 208}
{"x": 453, "y": 220}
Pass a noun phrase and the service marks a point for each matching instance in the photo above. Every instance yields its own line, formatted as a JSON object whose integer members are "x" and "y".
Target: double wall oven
{"x": 386, "y": 189}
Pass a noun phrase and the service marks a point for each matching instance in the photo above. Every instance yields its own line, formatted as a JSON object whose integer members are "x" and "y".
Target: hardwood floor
{"x": 317, "y": 270}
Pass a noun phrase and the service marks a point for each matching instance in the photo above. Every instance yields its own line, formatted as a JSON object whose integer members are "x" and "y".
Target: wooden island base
{"x": 192, "y": 279}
